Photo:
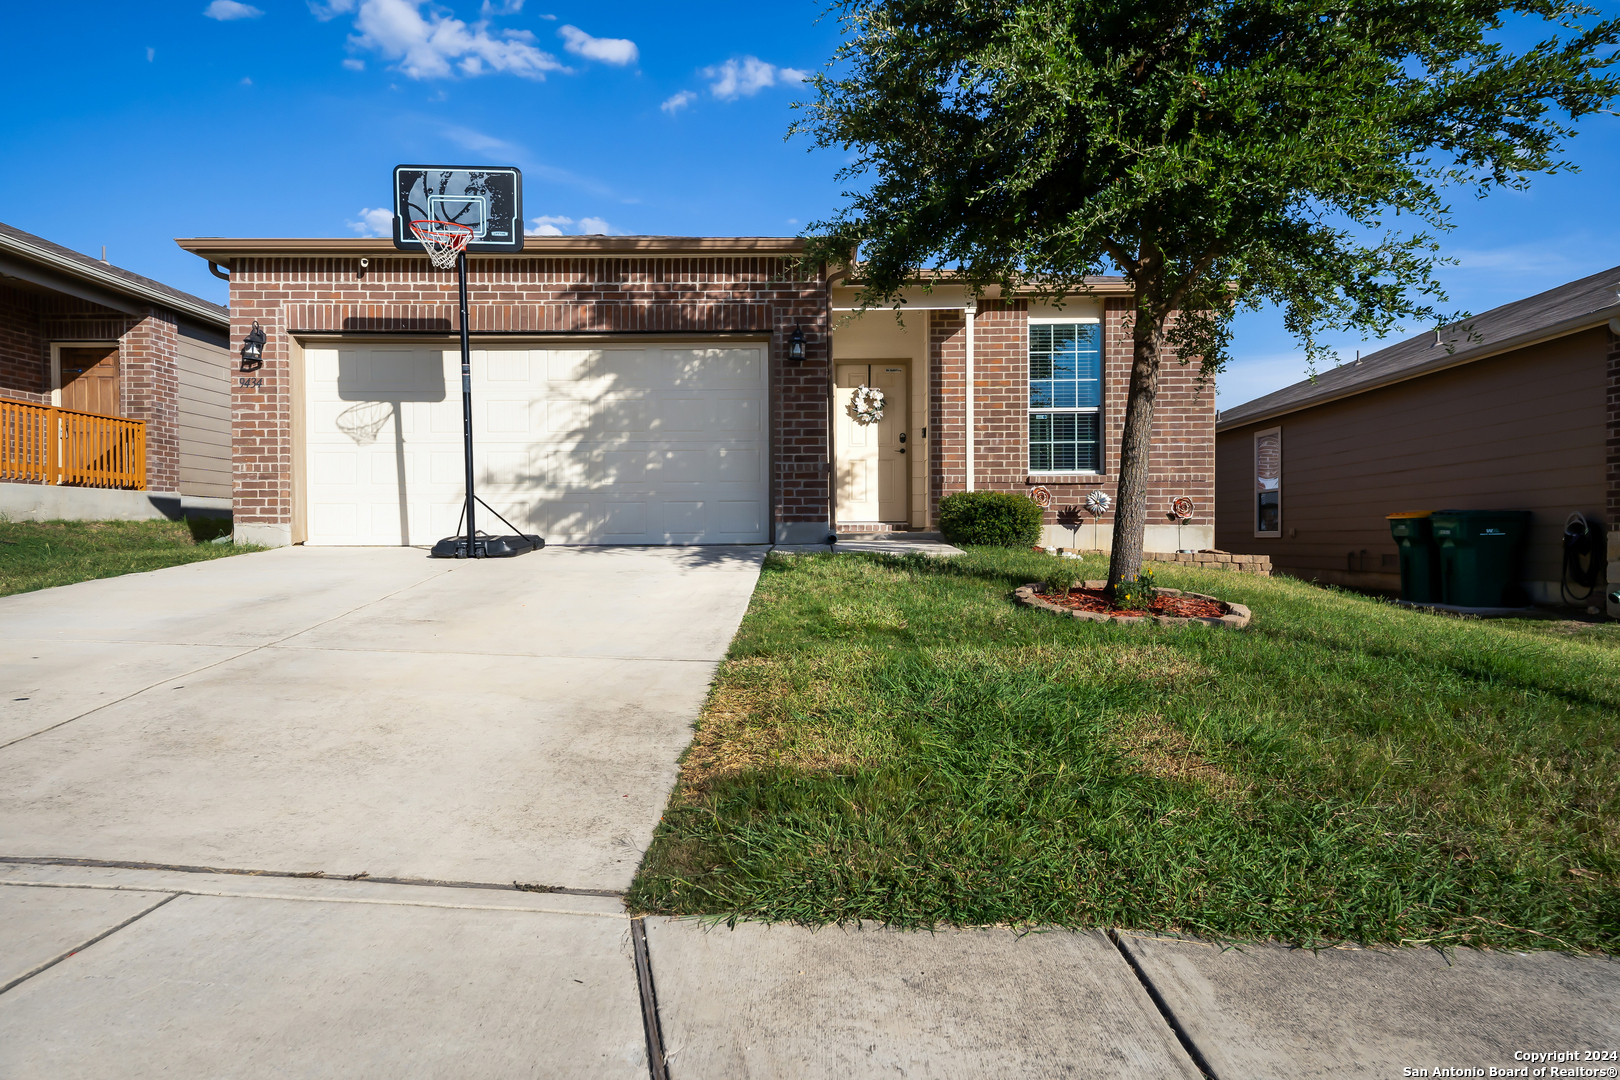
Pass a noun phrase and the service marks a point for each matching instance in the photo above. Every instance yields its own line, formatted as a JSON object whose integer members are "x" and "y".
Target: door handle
{"x": 902, "y": 450}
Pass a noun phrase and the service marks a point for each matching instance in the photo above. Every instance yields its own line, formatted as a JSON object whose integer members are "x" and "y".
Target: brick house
{"x": 113, "y": 390}
{"x": 639, "y": 390}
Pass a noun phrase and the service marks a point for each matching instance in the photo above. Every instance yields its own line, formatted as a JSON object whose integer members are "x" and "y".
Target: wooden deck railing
{"x": 44, "y": 444}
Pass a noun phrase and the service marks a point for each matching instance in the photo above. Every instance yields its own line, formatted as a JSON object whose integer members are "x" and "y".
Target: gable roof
{"x": 41, "y": 252}
{"x": 1567, "y": 309}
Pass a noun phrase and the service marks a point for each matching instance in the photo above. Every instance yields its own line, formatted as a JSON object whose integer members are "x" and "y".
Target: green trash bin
{"x": 1479, "y": 556}
{"x": 1420, "y": 578}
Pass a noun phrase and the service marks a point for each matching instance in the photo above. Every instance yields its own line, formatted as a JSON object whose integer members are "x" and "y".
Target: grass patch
{"x": 44, "y": 554}
{"x": 890, "y": 738}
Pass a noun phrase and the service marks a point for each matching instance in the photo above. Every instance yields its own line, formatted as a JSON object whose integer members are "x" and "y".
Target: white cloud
{"x": 331, "y": 10}
{"x": 226, "y": 10}
{"x": 747, "y": 77}
{"x": 354, "y": 65}
{"x": 557, "y": 225}
{"x": 553, "y": 18}
{"x": 151, "y": 53}
{"x": 548, "y": 225}
{"x": 676, "y": 102}
{"x": 436, "y": 45}
{"x": 378, "y": 222}
{"x": 608, "y": 50}
{"x": 246, "y": 81}
{"x": 468, "y": 139}
{"x": 507, "y": 7}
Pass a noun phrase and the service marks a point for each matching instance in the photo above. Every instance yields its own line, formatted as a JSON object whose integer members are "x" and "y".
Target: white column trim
{"x": 970, "y": 307}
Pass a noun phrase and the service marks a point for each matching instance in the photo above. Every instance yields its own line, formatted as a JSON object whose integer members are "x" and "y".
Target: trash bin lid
{"x": 1409, "y": 514}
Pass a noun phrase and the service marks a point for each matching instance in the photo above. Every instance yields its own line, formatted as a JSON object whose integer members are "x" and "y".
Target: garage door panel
{"x": 715, "y": 368}
{"x": 650, "y": 444}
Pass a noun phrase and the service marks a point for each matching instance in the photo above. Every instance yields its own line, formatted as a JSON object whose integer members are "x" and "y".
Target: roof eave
{"x": 221, "y": 249}
{"x": 1573, "y": 325}
{"x": 113, "y": 282}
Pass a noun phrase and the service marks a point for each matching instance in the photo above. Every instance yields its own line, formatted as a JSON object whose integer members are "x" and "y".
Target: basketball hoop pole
{"x": 473, "y": 550}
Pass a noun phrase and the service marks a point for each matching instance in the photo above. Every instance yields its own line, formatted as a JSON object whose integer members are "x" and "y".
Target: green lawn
{"x": 43, "y": 554}
{"x": 892, "y": 739}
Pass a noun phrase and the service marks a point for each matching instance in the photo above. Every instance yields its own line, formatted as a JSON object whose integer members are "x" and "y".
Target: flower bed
{"x": 1171, "y": 607}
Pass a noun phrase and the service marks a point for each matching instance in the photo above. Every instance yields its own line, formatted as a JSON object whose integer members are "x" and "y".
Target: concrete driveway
{"x": 364, "y": 711}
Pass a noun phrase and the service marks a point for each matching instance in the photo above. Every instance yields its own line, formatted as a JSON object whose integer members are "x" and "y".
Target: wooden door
{"x": 90, "y": 379}
{"x": 872, "y": 465}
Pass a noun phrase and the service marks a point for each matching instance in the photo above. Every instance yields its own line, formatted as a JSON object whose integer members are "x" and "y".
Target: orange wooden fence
{"x": 44, "y": 444}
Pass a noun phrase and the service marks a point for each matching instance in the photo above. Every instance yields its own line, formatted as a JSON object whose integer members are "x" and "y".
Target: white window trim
{"x": 1254, "y": 477}
{"x": 1102, "y": 379}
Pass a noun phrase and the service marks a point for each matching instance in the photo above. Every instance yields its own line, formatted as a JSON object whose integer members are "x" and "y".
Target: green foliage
{"x": 1136, "y": 593}
{"x": 1062, "y": 577}
{"x": 990, "y": 517}
{"x": 893, "y": 739}
{"x": 44, "y": 554}
{"x": 1192, "y": 146}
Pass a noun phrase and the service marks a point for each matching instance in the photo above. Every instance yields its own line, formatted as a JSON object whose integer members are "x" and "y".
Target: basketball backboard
{"x": 489, "y": 200}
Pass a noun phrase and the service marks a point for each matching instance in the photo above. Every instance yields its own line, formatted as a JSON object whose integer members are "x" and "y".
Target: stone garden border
{"x": 1236, "y": 618}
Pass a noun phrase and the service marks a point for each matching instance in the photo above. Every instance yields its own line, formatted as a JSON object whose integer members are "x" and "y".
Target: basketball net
{"x": 444, "y": 240}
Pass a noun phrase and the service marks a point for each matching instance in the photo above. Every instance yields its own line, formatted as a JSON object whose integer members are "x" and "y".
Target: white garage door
{"x": 623, "y": 444}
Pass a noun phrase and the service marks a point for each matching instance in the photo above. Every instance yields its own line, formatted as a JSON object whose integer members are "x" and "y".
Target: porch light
{"x": 796, "y": 346}
{"x": 253, "y": 348}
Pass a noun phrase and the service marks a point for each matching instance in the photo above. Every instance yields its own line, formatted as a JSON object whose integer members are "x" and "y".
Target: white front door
{"x": 630, "y": 443}
{"x": 873, "y": 459}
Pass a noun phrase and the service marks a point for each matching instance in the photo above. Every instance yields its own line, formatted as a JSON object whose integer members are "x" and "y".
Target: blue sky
{"x": 130, "y": 124}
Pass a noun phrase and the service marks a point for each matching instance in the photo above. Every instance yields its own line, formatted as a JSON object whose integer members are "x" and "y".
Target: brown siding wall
{"x": 1522, "y": 431}
{"x": 203, "y": 366}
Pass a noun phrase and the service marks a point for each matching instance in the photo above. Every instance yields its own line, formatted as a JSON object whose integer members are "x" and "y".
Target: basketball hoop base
{"x": 487, "y": 547}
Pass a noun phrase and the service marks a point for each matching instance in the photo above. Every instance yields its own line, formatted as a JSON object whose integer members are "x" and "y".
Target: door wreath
{"x": 866, "y": 405}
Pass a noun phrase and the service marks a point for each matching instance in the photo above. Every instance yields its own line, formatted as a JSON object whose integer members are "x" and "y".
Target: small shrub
{"x": 1060, "y": 580}
{"x": 997, "y": 518}
{"x": 1137, "y": 593}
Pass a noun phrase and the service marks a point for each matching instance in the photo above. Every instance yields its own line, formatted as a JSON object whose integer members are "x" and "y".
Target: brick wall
{"x": 533, "y": 295}
{"x": 150, "y": 387}
{"x": 24, "y": 358}
{"x": 148, "y": 380}
{"x": 1183, "y": 454}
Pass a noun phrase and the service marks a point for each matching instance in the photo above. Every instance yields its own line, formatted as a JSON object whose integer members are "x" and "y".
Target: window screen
{"x": 1065, "y": 397}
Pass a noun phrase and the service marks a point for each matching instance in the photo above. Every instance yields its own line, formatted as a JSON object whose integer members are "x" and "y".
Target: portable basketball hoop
{"x": 443, "y": 240}
{"x": 464, "y": 206}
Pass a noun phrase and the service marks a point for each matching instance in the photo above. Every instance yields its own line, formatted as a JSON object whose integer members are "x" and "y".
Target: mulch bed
{"x": 1185, "y": 607}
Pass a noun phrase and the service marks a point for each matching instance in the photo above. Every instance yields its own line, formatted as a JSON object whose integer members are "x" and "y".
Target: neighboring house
{"x": 1516, "y": 409}
{"x": 640, "y": 390}
{"x": 114, "y": 390}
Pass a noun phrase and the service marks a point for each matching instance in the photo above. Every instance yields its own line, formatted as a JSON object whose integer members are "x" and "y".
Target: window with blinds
{"x": 1268, "y": 482}
{"x": 1065, "y": 397}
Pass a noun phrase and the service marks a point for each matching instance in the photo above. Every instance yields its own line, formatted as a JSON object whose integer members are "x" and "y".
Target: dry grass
{"x": 748, "y": 724}
{"x": 1161, "y": 750}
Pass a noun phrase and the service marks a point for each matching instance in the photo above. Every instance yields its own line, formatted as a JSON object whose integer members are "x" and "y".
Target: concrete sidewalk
{"x": 132, "y": 973}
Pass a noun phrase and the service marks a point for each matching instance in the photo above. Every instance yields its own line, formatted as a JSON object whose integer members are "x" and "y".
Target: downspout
{"x": 969, "y": 308}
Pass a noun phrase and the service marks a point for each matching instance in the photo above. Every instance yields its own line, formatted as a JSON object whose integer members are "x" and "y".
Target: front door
{"x": 873, "y": 459}
{"x": 90, "y": 379}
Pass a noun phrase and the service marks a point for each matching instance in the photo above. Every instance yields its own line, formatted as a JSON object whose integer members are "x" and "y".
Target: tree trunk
{"x": 1135, "y": 447}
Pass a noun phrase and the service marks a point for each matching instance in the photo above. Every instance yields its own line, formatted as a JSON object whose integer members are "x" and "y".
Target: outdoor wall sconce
{"x": 253, "y": 348}
{"x": 796, "y": 346}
